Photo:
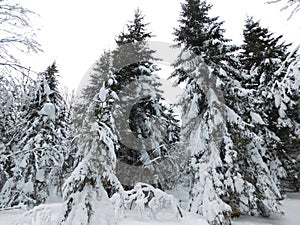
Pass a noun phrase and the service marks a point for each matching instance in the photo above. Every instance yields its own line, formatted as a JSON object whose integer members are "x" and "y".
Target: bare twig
{"x": 289, "y": 4}
{"x": 16, "y": 36}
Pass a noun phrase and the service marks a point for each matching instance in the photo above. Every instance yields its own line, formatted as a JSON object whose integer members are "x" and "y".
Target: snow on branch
{"x": 291, "y": 64}
{"x": 16, "y": 35}
{"x": 144, "y": 198}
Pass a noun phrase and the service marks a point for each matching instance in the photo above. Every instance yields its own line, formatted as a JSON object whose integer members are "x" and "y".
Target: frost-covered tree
{"x": 37, "y": 146}
{"x": 140, "y": 121}
{"x": 265, "y": 60}
{"x": 291, "y": 81}
{"x": 13, "y": 94}
{"x": 205, "y": 65}
{"x": 102, "y": 71}
{"x": 286, "y": 92}
{"x": 262, "y": 54}
{"x": 62, "y": 125}
{"x": 219, "y": 137}
{"x": 84, "y": 192}
{"x": 17, "y": 37}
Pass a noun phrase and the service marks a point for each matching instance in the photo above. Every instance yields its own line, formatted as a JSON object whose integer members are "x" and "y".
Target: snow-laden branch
{"x": 279, "y": 71}
{"x": 144, "y": 197}
{"x": 16, "y": 35}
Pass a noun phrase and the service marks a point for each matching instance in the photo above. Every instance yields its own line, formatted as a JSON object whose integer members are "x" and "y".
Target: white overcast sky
{"x": 74, "y": 33}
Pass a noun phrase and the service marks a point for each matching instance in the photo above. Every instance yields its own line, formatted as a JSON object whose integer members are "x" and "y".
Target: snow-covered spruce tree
{"x": 84, "y": 193}
{"x": 286, "y": 94}
{"x": 141, "y": 118}
{"x": 37, "y": 147}
{"x": 62, "y": 125}
{"x": 101, "y": 73}
{"x": 102, "y": 70}
{"x": 257, "y": 162}
{"x": 207, "y": 66}
{"x": 220, "y": 139}
{"x": 292, "y": 73}
{"x": 262, "y": 54}
{"x": 265, "y": 60}
{"x": 206, "y": 137}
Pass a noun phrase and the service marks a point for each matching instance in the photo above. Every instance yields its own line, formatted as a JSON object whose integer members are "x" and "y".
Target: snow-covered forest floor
{"x": 292, "y": 214}
{"x": 291, "y": 205}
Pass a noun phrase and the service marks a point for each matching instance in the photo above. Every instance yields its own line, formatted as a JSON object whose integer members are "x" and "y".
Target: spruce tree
{"x": 287, "y": 94}
{"x": 140, "y": 107}
{"x": 37, "y": 147}
{"x": 221, "y": 140}
{"x": 203, "y": 34}
{"x": 265, "y": 60}
{"x": 102, "y": 72}
{"x": 62, "y": 126}
{"x": 204, "y": 64}
{"x": 262, "y": 54}
{"x": 86, "y": 190}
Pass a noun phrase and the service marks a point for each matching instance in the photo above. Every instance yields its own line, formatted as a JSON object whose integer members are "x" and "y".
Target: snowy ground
{"x": 291, "y": 205}
{"x": 8, "y": 217}
{"x": 291, "y": 217}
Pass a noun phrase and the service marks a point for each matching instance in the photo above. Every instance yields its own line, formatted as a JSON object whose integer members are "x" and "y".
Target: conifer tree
{"x": 265, "y": 60}
{"x": 62, "y": 125}
{"x": 102, "y": 72}
{"x": 37, "y": 147}
{"x": 141, "y": 99}
{"x": 84, "y": 190}
{"x": 287, "y": 94}
{"x": 204, "y": 64}
{"x": 262, "y": 54}
{"x": 221, "y": 141}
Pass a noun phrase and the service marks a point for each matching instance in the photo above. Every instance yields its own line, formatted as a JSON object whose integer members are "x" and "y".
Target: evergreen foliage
{"x": 137, "y": 82}
{"x": 266, "y": 59}
{"x": 38, "y": 145}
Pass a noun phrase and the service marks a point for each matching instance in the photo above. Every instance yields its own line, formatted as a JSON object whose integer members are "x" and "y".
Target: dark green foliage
{"x": 132, "y": 62}
{"x": 203, "y": 33}
{"x": 262, "y": 53}
{"x": 265, "y": 59}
